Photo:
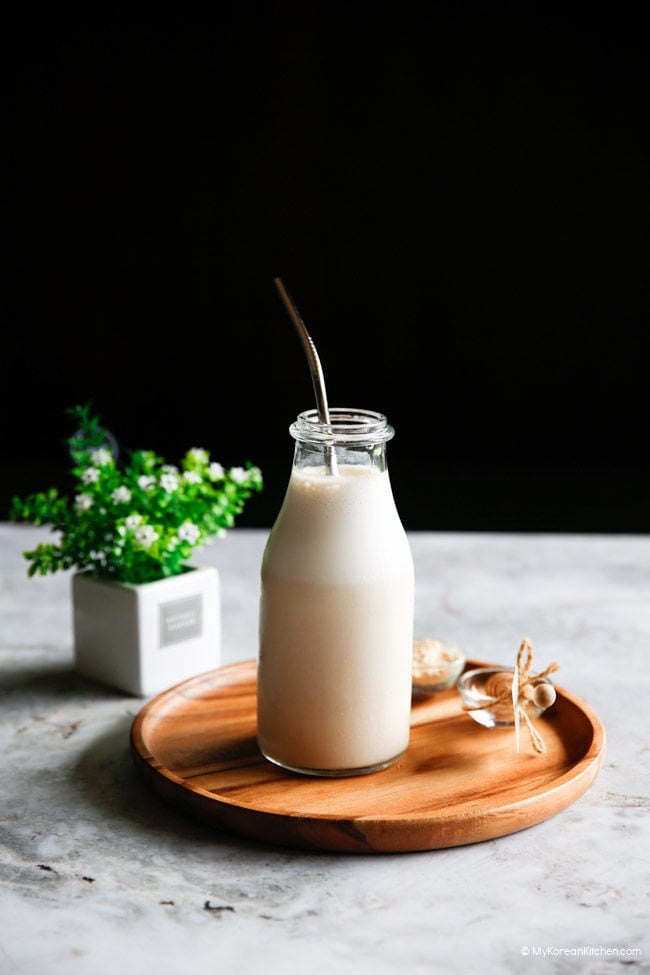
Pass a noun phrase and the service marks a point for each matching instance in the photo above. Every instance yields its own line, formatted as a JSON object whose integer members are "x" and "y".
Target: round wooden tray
{"x": 457, "y": 783}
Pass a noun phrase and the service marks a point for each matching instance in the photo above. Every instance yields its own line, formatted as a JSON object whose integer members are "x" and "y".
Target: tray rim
{"x": 574, "y": 781}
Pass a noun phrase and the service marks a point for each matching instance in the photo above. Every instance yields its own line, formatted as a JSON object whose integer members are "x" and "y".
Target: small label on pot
{"x": 180, "y": 619}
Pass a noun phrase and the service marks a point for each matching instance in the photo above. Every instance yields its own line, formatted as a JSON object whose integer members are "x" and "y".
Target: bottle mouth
{"x": 346, "y": 426}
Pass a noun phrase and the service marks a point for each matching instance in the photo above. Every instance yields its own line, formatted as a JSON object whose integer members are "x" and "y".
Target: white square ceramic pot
{"x": 145, "y": 638}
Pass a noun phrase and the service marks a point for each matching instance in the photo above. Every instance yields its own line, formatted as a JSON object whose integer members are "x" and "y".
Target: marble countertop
{"x": 98, "y": 876}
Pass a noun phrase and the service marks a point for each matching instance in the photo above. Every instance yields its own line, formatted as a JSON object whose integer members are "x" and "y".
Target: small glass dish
{"x": 480, "y": 690}
{"x": 436, "y": 666}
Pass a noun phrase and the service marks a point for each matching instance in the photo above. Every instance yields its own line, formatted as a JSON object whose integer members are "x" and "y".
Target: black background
{"x": 455, "y": 194}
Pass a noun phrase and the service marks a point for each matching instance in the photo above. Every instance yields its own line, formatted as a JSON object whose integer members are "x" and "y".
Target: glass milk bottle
{"x": 336, "y": 610}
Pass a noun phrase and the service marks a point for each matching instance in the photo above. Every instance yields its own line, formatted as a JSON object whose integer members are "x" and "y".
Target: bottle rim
{"x": 346, "y": 426}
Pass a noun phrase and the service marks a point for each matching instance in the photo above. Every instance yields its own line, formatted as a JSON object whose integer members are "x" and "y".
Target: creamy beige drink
{"x": 336, "y": 624}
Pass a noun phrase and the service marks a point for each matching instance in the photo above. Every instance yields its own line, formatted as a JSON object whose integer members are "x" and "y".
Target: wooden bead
{"x": 544, "y": 695}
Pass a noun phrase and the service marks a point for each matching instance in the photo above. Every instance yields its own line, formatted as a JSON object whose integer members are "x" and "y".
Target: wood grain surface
{"x": 457, "y": 783}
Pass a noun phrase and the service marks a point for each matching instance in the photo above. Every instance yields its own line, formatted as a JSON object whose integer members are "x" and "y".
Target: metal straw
{"x": 315, "y": 368}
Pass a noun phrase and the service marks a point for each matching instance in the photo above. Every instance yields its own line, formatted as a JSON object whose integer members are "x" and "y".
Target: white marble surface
{"x": 97, "y": 876}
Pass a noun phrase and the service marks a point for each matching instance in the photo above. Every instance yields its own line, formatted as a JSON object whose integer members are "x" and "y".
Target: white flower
{"x": 146, "y": 535}
{"x": 90, "y": 475}
{"x": 238, "y": 474}
{"x": 101, "y": 456}
{"x": 191, "y": 477}
{"x": 146, "y": 481}
{"x": 169, "y": 469}
{"x": 215, "y": 470}
{"x": 82, "y": 503}
{"x": 121, "y": 495}
{"x": 189, "y": 532}
{"x": 169, "y": 482}
{"x": 198, "y": 455}
{"x": 133, "y": 521}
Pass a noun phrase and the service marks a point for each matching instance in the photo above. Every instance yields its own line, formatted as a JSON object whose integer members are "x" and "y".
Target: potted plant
{"x": 144, "y": 617}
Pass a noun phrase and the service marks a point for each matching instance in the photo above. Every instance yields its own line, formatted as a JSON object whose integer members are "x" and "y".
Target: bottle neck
{"x": 351, "y": 438}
